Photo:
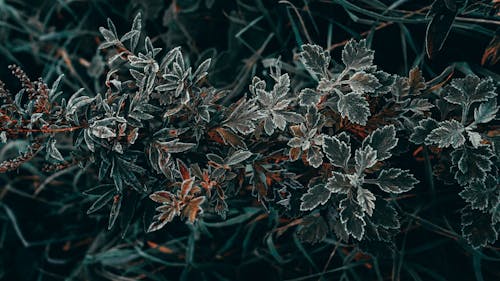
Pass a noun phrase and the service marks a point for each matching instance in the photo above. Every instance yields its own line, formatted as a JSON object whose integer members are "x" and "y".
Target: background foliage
{"x": 445, "y": 116}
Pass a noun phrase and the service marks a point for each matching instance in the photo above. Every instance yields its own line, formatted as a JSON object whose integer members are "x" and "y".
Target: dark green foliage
{"x": 243, "y": 140}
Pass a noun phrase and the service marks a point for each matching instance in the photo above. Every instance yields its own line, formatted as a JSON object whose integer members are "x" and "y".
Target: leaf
{"x": 312, "y": 229}
{"x": 355, "y": 107}
{"x": 53, "y": 151}
{"x": 115, "y": 210}
{"x": 356, "y": 55}
{"x": 315, "y": 196}
{"x": 337, "y": 151}
{"x": 238, "y": 157}
{"x": 478, "y": 228}
{"x": 365, "y": 158}
{"x": 385, "y": 215}
{"x": 315, "y": 59}
{"x": 103, "y": 132}
{"x": 351, "y": 216}
{"x": 339, "y": 183}
{"x": 175, "y": 146}
{"x": 439, "y": 27}
{"x": 481, "y": 194}
{"x": 424, "y": 128}
{"x": 362, "y": 82}
{"x": 100, "y": 202}
{"x": 314, "y": 156}
{"x": 309, "y": 97}
{"x": 193, "y": 209}
{"x": 449, "y": 133}
{"x": 383, "y": 140}
{"x": 243, "y": 116}
{"x": 486, "y": 112}
{"x": 395, "y": 180}
{"x": 416, "y": 81}
{"x": 468, "y": 90}
{"x": 366, "y": 200}
{"x": 471, "y": 163}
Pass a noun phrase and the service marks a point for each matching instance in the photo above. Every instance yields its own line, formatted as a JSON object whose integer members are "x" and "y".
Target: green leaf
{"x": 355, "y": 107}
{"x": 339, "y": 183}
{"x": 351, "y": 216}
{"x": 315, "y": 196}
{"x": 315, "y": 59}
{"x": 385, "y": 215}
{"x": 365, "y": 158}
{"x": 449, "y": 133}
{"x": 337, "y": 151}
{"x": 395, "y": 180}
{"x": 366, "y": 200}
{"x": 481, "y": 194}
{"x": 471, "y": 163}
{"x": 238, "y": 157}
{"x": 423, "y": 129}
{"x": 362, "y": 82}
{"x": 478, "y": 228}
{"x": 357, "y": 56}
{"x": 308, "y": 97}
{"x": 383, "y": 140}
{"x": 468, "y": 90}
{"x": 486, "y": 112}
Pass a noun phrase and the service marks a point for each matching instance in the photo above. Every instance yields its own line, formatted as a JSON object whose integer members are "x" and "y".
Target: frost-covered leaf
{"x": 424, "y": 128}
{"x": 357, "y": 56}
{"x": 478, "y": 228}
{"x": 383, "y": 140}
{"x": 238, "y": 157}
{"x": 316, "y": 195}
{"x": 337, "y": 151}
{"x": 385, "y": 215}
{"x": 243, "y": 116}
{"x": 53, "y": 152}
{"x": 449, "y": 133}
{"x": 363, "y": 82}
{"x": 486, "y": 112}
{"x": 395, "y": 180}
{"x": 482, "y": 194}
{"x": 365, "y": 158}
{"x": 351, "y": 216}
{"x": 314, "y": 156}
{"x": 103, "y": 132}
{"x": 465, "y": 91}
{"x": 339, "y": 183}
{"x": 315, "y": 59}
{"x": 366, "y": 200}
{"x": 420, "y": 106}
{"x": 355, "y": 107}
{"x": 416, "y": 81}
{"x": 175, "y": 146}
{"x": 309, "y": 97}
{"x": 471, "y": 163}
{"x": 312, "y": 229}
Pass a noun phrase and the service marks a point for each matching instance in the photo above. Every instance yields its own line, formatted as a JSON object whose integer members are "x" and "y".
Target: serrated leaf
{"x": 468, "y": 90}
{"x": 383, "y": 140}
{"x": 395, "y": 180}
{"x": 315, "y": 59}
{"x": 366, "y": 200}
{"x": 365, "y": 158}
{"x": 356, "y": 55}
{"x": 471, "y": 163}
{"x": 337, "y": 151}
{"x": 477, "y": 228}
{"x": 339, "y": 183}
{"x": 355, "y": 107}
{"x": 423, "y": 129}
{"x": 315, "y": 196}
{"x": 385, "y": 215}
{"x": 308, "y": 97}
{"x": 486, "y": 112}
{"x": 449, "y": 133}
{"x": 363, "y": 82}
{"x": 351, "y": 216}
{"x": 481, "y": 194}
